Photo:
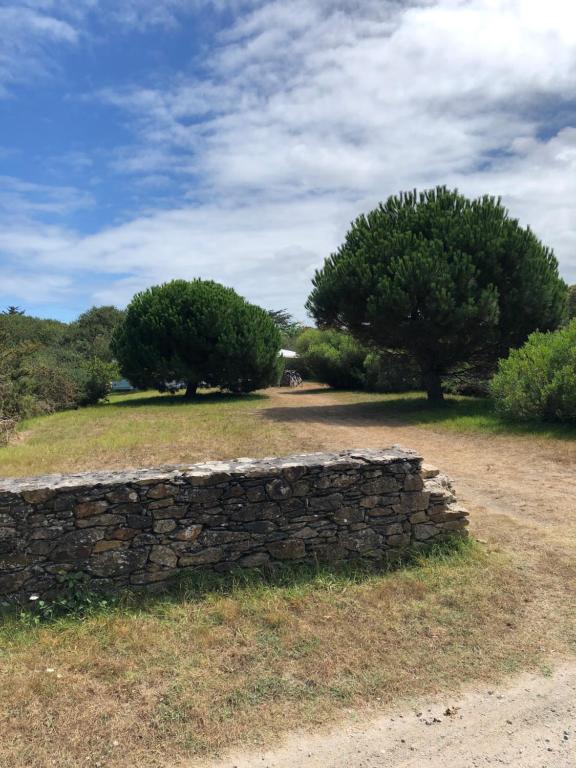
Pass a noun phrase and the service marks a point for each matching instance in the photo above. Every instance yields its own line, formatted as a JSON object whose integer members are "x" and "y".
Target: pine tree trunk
{"x": 433, "y": 385}
{"x": 191, "y": 389}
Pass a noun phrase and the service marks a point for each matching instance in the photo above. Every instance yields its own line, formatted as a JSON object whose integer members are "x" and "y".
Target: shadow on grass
{"x": 463, "y": 414}
{"x": 203, "y": 586}
{"x": 308, "y": 391}
{"x": 174, "y": 401}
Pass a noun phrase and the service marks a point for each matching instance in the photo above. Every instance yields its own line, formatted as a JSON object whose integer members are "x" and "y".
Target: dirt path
{"x": 531, "y": 724}
{"x": 513, "y": 486}
{"x": 521, "y": 494}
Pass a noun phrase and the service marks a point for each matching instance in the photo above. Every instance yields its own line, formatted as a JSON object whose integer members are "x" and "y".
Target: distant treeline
{"x": 47, "y": 365}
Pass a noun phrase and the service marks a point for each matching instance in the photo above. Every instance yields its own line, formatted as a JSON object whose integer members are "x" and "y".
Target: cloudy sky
{"x": 142, "y": 140}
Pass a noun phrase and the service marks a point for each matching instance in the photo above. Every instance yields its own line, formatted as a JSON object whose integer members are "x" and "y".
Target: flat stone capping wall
{"x": 135, "y": 528}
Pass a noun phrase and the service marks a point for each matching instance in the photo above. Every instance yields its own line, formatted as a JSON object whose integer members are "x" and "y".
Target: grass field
{"x": 458, "y": 414}
{"x": 148, "y": 429}
{"x": 157, "y": 680}
{"x": 191, "y": 674}
{"x": 143, "y": 429}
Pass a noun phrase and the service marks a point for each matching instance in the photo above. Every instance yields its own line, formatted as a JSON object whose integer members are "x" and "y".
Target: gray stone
{"x": 413, "y": 483}
{"x": 293, "y": 474}
{"x": 360, "y": 541}
{"x": 122, "y": 495}
{"x": 349, "y": 515}
{"x": 153, "y": 577}
{"x": 260, "y": 526}
{"x": 415, "y": 500}
{"x": 256, "y": 494}
{"x": 46, "y": 533}
{"x": 90, "y": 508}
{"x": 380, "y": 485}
{"x": 204, "y": 557}
{"x": 424, "y": 531}
{"x": 163, "y": 555}
{"x": 214, "y": 538}
{"x": 325, "y": 503}
{"x": 139, "y": 521}
{"x": 288, "y": 549}
{"x": 164, "y": 526}
{"x": 175, "y": 511}
{"x": 190, "y": 533}
{"x": 305, "y": 533}
{"x": 279, "y": 489}
{"x": 254, "y": 560}
{"x": 117, "y": 563}
{"x": 101, "y": 520}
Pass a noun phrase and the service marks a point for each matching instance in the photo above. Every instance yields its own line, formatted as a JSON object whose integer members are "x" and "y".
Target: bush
{"x": 333, "y": 358}
{"x": 538, "y": 381}
{"x": 197, "y": 331}
{"x": 48, "y": 387}
{"x": 48, "y": 366}
{"x": 470, "y": 380}
{"x": 572, "y": 302}
{"x": 97, "y": 377}
{"x": 337, "y": 359}
{"x": 390, "y": 372}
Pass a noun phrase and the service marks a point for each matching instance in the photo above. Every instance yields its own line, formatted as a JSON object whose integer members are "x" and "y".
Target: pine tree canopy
{"x": 447, "y": 279}
{"x": 197, "y": 331}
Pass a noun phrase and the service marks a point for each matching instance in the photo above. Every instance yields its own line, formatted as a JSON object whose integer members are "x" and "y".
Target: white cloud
{"x": 25, "y": 200}
{"x": 24, "y": 37}
{"x": 35, "y": 287}
{"x": 31, "y": 30}
{"x": 314, "y": 110}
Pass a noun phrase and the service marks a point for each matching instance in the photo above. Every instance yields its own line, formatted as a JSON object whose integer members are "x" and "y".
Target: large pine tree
{"x": 447, "y": 279}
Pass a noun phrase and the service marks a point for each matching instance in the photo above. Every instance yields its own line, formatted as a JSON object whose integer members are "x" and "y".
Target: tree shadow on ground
{"x": 308, "y": 391}
{"x": 465, "y": 414}
{"x": 207, "y": 398}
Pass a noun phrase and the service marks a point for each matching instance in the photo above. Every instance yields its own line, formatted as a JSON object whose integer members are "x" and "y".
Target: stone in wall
{"x": 143, "y": 527}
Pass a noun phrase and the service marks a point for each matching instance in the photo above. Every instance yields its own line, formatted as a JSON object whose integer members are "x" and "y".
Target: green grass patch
{"x": 143, "y": 429}
{"x": 457, "y": 413}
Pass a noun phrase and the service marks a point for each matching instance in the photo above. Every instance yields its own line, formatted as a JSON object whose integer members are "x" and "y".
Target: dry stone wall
{"x": 136, "y": 528}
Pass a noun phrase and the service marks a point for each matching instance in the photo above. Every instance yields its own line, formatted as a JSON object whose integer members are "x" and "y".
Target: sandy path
{"x": 521, "y": 493}
{"x": 514, "y": 485}
{"x": 531, "y": 724}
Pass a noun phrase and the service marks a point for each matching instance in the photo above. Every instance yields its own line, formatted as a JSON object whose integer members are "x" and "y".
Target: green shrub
{"x": 538, "y": 381}
{"x": 391, "y": 372}
{"x": 572, "y": 302}
{"x": 48, "y": 386}
{"x": 97, "y": 377}
{"x": 48, "y": 366}
{"x": 332, "y": 357}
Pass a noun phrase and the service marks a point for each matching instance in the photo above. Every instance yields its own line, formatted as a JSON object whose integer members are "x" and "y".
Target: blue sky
{"x": 236, "y": 139}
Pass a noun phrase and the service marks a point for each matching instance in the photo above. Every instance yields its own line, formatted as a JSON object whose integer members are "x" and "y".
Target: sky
{"x": 236, "y": 140}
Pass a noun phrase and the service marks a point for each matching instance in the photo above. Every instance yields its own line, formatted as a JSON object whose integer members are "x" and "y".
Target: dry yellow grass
{"x": 154, "y": 684}
{"x": 184, "y": 676}
{"x": 145, "y": 429}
